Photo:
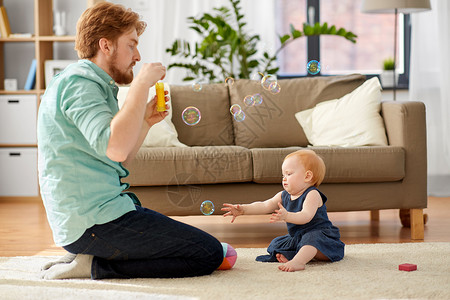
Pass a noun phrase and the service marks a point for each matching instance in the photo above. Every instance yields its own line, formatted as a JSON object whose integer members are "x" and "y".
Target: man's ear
{"x": 106, "y": 46}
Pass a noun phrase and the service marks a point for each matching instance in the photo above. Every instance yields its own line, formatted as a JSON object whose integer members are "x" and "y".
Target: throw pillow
{"x": 162, "y": 134}
{"x": 350, "y": 121}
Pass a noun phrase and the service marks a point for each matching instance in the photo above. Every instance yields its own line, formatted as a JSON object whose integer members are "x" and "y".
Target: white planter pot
{"x": 387, "y": 79}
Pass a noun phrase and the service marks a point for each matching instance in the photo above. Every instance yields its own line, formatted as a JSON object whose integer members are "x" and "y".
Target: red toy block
{"x": 407, "y": 267}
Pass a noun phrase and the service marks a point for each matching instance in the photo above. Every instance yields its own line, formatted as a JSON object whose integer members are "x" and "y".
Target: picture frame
{"x": 54, "y": 67}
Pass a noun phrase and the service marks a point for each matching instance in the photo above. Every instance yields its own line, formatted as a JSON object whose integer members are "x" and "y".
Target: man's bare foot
{"x": 281, "y": 258}
{"x": 290, "y": 266}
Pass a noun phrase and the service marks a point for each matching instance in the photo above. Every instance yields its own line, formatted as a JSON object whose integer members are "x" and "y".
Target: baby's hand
{"x": 279, "y": 214}
{"x": 234, "y": 210}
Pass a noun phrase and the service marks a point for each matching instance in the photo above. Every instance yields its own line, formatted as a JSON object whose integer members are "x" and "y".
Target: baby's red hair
{"x": 311, "y": 162}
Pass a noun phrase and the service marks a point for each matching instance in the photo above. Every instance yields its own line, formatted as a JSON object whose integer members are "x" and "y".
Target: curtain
{"x": 430, "y": 83}
{"x": 167, "y": 21}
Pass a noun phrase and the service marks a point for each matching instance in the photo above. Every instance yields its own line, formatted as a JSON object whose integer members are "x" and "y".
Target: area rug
{"x": 368, "y": 271}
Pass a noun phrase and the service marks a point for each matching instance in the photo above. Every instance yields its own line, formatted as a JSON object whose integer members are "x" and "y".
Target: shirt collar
{"x": 103, "y": 75}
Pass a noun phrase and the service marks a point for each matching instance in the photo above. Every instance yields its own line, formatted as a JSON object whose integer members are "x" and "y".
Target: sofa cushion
{"x": 162, "y": 134}
{"x": 273, "y": 123}
{"x": 358, "y": 116}
{"x": 215, "y": 127}
{"x": 344, "y": 165}
{"x": 190, "y": 165}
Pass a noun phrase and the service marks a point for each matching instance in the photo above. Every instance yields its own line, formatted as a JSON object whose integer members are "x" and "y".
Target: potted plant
{"x": 387, "y": 76}
{"x": 227, "y": 50}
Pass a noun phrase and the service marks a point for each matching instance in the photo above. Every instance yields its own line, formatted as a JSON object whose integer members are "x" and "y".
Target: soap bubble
{"x": 239, "y": 116}
{"x": 235, "y": 108}
{"x": 248, "y": 100}
{"x": 197, "y": 86}
{"x": 257, "y": 99}
{"x": 207, "y": 207}
{"x": 191, "y": 115}
{"x": 229, "y": 81}
{"x": 275, "y": 87}
{"x": 267, "y": 80}
{"x": 313, "y": 67}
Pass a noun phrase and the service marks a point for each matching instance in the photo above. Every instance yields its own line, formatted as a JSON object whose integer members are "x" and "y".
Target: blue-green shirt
{"x": 79, "y": 184}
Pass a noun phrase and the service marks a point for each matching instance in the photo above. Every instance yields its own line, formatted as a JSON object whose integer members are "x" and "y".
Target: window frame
{"x": 313, "y": 48}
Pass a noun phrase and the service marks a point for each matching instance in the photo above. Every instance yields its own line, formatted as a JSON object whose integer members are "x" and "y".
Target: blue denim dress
{"x": 319, "y": 233}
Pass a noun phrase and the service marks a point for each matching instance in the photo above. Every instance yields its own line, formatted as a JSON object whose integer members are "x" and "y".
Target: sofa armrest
{"x": 406, "y": 127}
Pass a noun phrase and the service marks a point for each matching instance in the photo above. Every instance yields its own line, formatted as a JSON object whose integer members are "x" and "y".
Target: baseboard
{"x": 438, "y": 185}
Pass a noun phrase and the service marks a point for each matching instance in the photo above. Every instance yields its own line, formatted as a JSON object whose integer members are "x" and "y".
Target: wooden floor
{"x": 24, "y": 229}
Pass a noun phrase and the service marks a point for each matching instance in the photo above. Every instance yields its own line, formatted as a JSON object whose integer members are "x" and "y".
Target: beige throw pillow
{"x": 352, "y": 120}
{"x": 162, "y": 134}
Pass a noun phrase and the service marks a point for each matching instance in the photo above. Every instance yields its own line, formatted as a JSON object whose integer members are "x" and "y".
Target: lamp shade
{"x": 389, "y": 6}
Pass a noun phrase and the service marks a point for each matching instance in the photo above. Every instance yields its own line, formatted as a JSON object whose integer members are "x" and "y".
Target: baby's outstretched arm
{"x": 254, "y": 208}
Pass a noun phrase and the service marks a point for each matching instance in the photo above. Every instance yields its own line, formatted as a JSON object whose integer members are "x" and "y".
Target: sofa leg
{"x": 417, "y": 224}
{"x": 375, "y": 215}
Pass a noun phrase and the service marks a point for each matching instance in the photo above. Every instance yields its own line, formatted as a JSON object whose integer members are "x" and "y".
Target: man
{"x": 84, "y": 144}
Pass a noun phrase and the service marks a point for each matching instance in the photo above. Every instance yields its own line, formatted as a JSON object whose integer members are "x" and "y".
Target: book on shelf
{"x": 31, "y": 79}
{"x": 5, "y": 29}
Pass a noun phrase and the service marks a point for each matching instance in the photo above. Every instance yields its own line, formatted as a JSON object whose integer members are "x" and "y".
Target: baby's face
{"x": 294, "y": 176}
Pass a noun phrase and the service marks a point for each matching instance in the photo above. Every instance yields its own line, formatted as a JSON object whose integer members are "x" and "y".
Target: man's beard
{"x": 119, "y": 76}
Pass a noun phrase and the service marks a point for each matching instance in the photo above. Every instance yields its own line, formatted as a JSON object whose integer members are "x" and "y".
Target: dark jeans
{"x": 145, "y": 243}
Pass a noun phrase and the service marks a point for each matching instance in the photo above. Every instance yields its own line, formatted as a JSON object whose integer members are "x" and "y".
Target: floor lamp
{"x": 395, "y": 6}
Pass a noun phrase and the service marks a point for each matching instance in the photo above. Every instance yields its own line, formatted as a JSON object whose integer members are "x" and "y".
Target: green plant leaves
{"x": 226, "y": 46}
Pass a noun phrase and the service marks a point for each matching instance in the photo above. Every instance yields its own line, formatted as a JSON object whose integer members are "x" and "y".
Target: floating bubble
{"x": 239, "y": 116}
{"x": 207, "y": 207}
{"x": 257, "y": 99}
{"x": 267, "y": 80}
{"x": 313, "y": 67}
{"x": 197, "y": 86}
{"x": 248, "y": 100}
{"x": 235, "y": 108}
{"x": 191, "y": 115}
{"x": 229, "y": 81}
{"x": 275, "y": 88}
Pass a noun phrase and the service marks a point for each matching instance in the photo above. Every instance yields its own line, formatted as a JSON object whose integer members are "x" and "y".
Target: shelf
{"x": 44, "y": 42}
{"x": 21, "y": 92}
{"x": 18, "y": 40}
{"x": 18, "y": 146}
{"x": 54, "y": 38}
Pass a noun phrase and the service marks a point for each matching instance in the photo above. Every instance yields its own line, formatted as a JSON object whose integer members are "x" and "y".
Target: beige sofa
{"x": 240, "y": 162}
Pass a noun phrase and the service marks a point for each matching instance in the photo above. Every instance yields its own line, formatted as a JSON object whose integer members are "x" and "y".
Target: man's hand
{"x": 152, "y": 116}
{"x": 149, "y": 74}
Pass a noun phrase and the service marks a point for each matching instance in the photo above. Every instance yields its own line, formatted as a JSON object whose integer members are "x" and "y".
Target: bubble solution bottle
{"x": 160, "y": 102}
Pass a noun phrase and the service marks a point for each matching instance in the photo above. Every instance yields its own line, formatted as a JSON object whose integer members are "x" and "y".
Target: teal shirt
{"x": 79, "y": 184}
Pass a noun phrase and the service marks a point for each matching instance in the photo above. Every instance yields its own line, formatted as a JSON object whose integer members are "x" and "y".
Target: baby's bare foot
{"x": 281, "y": 258}
{"x": 291, "y": 267}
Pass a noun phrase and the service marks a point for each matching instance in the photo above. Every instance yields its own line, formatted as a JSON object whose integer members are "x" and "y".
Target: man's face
{"x": 124, "y": 57}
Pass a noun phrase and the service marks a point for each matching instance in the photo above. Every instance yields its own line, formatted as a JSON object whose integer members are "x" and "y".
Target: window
{"x": 375, "y": 41}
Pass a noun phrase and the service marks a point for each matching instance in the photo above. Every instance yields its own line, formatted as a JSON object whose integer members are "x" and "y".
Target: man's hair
{"x": 104, "y": 20}
{"x": 312, "y": 162}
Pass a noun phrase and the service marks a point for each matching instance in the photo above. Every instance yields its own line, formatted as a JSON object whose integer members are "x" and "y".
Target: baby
{"x": 302, "y": 206}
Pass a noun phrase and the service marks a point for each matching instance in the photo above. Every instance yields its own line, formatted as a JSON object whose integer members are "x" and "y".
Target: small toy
{"x": 160, "y": 102}
{"x": 229, "y": 257}
{"x": 407, "y": 267}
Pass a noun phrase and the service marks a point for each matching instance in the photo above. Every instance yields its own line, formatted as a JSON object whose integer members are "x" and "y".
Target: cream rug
{"x": 368, "y": 271}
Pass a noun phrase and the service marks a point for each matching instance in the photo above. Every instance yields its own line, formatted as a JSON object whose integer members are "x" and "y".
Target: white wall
{"x": 164, "y": 25}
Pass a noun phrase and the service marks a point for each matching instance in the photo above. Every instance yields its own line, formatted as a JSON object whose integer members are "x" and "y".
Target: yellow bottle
{"x": 160, "y": 102}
